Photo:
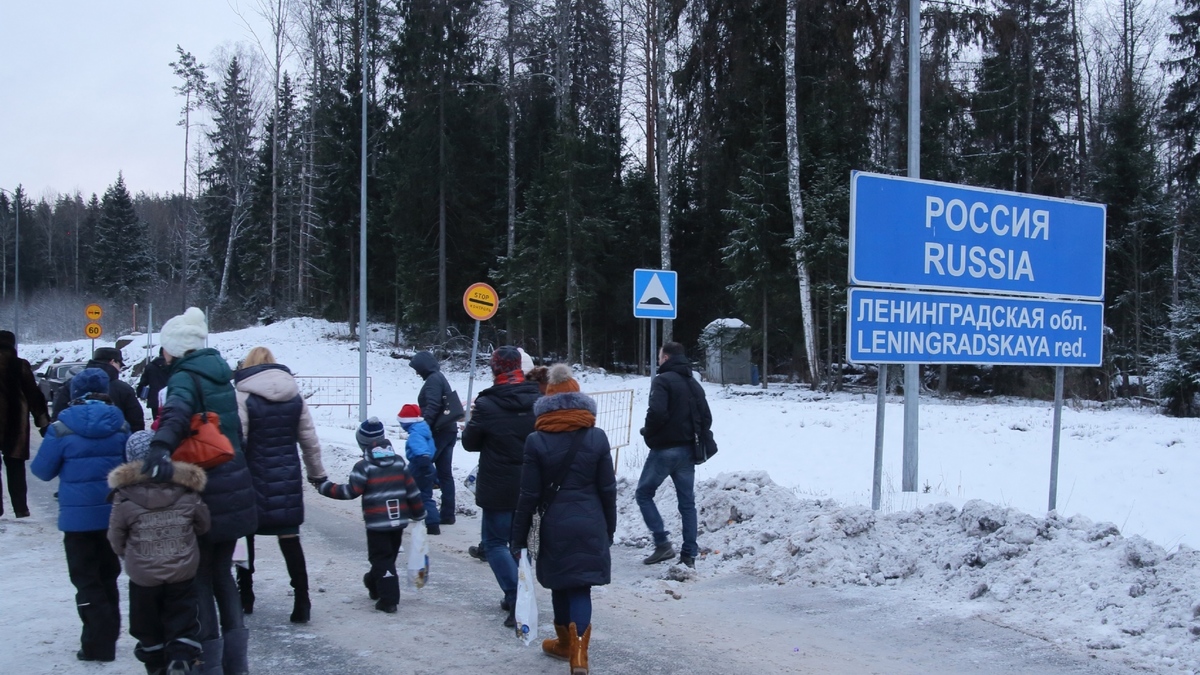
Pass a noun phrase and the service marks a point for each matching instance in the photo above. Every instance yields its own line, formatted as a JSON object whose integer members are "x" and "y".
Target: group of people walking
{"x": 122, "y": 495}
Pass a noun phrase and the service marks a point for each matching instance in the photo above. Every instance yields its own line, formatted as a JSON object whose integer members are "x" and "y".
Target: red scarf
{"x": 513, "y": 377}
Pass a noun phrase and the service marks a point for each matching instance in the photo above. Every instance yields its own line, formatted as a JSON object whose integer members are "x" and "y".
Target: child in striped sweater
{"x": 390, "y": 500}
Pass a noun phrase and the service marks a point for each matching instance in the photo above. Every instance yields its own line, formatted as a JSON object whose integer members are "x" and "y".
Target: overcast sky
{"x": 86, "y": 89}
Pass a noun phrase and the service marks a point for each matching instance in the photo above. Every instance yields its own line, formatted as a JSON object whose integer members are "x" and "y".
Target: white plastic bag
{"x": 241, "y": 554}
{"x": 472, "y": 479}
{"x": 418, "y": 557}
{"x": 526, "y": 613}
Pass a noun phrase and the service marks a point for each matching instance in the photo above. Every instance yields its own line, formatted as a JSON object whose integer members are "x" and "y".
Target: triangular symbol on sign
{"x": 655, "y": 296}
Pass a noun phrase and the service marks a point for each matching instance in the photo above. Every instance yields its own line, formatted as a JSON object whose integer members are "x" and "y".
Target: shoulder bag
{"x": 205, "y": 445}
{"x": 535, "y": 527}
{"x": 704, "y": 445}
{"x": 452, "y": 409}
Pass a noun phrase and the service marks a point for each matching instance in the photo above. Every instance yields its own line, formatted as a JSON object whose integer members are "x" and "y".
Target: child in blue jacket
{"x": 420, "y": 449}
{"x": 80, "y": 449}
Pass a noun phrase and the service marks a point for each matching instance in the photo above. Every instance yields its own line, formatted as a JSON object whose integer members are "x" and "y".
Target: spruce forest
{"x": 550, "y": 147}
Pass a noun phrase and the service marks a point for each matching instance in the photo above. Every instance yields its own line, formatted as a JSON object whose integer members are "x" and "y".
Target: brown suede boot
{"x": 560, "y": 647}
{"x": 579, "y": 647}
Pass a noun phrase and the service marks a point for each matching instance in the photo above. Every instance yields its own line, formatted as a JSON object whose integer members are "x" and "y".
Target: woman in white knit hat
{"x": 200, "y": 382}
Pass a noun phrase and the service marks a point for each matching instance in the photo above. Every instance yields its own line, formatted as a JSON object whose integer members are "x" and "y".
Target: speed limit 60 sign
{"x": 93, "y": 330}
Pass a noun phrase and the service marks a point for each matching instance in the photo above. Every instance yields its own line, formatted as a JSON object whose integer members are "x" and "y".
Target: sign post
{"x": 481, "y": 302}
{"x": 92, "y": 329}
{"x": 655, "y": 296}
{"x": 971, "y": 275}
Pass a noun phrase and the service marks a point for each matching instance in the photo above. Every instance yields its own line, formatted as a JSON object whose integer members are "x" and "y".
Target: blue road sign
{"x": 923, "y": 234}
{"x": 887, "y": 326}
{"x": 655, "y": 294}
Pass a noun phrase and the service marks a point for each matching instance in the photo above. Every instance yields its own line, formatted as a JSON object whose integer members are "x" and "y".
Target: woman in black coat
{"x": 579, "y": 522}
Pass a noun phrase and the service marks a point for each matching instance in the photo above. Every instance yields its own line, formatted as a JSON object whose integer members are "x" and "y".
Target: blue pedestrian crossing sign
{"x": 655, "y": 294}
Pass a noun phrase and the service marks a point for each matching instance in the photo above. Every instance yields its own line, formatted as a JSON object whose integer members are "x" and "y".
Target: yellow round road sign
{"x": 93, "y": 312}
{"x": 93, "y": 330}
{"x": 481, "y": 302}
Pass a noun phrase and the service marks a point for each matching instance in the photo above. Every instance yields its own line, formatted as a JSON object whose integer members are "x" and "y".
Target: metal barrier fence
{"x": 331, "y": 390}
{"x": 614, "y": 414}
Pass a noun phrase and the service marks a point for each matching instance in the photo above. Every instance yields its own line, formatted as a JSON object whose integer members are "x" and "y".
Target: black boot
{"x": 293, "y": 557}
{"x": 245, "y": 584}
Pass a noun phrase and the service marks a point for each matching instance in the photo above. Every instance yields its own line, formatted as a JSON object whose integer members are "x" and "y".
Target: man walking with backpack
{"x": 677, "y": 410}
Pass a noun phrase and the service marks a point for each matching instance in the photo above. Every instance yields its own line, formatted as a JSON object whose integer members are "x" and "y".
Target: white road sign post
{"x": 655, "y": 296}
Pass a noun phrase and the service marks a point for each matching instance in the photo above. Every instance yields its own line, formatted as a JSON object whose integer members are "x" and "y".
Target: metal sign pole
{"x": 1058, "y": 401}
{"x": 912, "y": 371}
{"x": 471, "y": 378}
{"x": 653, "y": 346}
{"x": 880, "y": 406}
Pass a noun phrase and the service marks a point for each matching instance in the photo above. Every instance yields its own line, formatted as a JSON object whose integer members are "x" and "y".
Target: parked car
{"x": 54, "y": 375}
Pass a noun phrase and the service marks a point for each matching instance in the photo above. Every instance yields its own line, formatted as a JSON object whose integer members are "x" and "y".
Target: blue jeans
{"x": 679, "y": 465}
{"x": 573, "y": 605}
{"x": 422, "y": 471}
{"x": 497, "y": 529}
{"x": 444, "y": 440}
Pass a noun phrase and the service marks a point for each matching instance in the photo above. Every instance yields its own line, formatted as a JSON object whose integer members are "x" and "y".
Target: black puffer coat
{"x": 229, "y": 493}
{"x": 503, "y": 418}
{"x": 669, "y": 416}
{"x": 435, "y": 389}
{"x": 274, "y": 421}
{"x": 578, "y": 526}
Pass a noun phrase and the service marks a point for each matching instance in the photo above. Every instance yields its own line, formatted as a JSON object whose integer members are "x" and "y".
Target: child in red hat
{"x": 419, "y": 449}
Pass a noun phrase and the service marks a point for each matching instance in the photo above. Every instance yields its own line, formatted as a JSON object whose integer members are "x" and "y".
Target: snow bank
{"x": 1069, "y": 580}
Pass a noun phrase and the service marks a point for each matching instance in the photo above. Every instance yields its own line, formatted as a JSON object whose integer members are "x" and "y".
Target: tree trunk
{"x": 798, "y": 229}
{"x": 762, "y": 374}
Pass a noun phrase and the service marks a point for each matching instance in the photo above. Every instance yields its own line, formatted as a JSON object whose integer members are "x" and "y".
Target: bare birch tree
{"x": 798, "y": 229}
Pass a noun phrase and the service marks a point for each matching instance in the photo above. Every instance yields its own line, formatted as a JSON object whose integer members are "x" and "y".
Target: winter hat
{"x": 138, "y": 446}
{"x": 370, "y": 433}
{"x": 409, "y": 414}
{"x": 559, "y": 380}
{"x": 7, "y": 339}
{"x": 505, "y": 360}
{"x": 89, "y": 381}
{"x": 526, "y": 361}
{"x": 106, "y": 354}
{"x": 181, "y": 334}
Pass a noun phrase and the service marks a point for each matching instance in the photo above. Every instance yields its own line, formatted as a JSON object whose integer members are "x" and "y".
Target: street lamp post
{"x": 17, "y": 266}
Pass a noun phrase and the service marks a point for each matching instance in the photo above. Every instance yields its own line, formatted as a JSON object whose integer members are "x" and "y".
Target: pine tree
{"x": 756, "y": 252}
{"x": 230, "y": 178}
{"x": 123, "y": 268}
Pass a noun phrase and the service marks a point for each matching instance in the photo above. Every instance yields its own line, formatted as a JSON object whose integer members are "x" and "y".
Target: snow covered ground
{"x": 1112, "y": 573}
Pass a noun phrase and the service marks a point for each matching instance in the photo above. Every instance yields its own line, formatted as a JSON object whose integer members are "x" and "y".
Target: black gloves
{"x": 317, "y": 481}
{"x": 157, "y": 465}
{"x": 42, "y": 430}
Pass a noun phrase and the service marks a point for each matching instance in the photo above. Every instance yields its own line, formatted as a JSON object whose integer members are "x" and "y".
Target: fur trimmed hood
{"x": 571, "y": 400}
{"x": 186, "y": 475}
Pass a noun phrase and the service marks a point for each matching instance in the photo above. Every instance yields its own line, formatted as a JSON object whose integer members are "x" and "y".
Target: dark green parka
{"x": 229, "y": 493}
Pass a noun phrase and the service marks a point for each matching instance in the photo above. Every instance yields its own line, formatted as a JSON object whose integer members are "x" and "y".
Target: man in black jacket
{"x": 432, "y": 399}
{"x": 154, "y": 379}
{"x": 110, "y": 360}
{"x": 677, "y": 407}
{"x": 500, "y": 420}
